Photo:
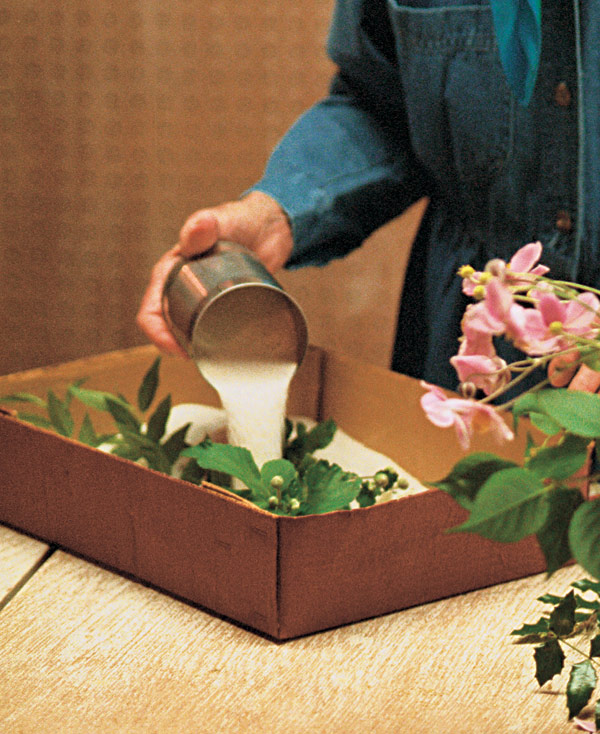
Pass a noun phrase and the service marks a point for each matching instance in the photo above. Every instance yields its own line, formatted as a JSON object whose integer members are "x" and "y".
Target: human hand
{"x": 256, "y": 221}
{"x": 566, "y": 370}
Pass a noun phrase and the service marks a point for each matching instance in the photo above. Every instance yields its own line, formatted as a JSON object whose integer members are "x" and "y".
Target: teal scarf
{"x": 518, "y": 26}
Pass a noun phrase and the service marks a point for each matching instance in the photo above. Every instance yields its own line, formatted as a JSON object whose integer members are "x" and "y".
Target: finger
{"x": 586, "y": 379}
{"x": 150, "y": 317}
{"x": 562, "y": 369}
{"x": 199, "y": 233}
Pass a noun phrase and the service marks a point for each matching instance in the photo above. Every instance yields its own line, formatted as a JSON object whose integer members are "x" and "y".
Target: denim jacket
{"x": 420, "y": 107}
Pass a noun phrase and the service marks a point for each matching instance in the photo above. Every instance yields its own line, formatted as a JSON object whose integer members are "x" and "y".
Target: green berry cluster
{"x": 383, "y": 481}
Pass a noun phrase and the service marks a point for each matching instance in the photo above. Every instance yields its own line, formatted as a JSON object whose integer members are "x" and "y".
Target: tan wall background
{"x": 118, "y": 118}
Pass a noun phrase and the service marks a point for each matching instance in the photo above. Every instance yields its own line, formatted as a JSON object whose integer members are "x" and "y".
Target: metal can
{"x": 225, "y": 305}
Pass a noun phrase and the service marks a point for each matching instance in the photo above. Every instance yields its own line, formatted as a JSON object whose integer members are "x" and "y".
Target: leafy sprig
{"x": 570, "y": 624}
{"x": 507, "y": 501}
{"x": 297, "y": 484}
{"x": 139, "y": 432}
{"x": 305, "y": 486}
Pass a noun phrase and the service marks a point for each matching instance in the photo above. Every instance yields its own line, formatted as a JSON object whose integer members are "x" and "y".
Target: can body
{"x": 224, "y": 305}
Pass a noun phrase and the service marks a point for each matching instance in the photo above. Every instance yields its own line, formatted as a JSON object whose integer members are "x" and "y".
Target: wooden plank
{"x": 84, "y": 649}
{"x": 20, "y": 555}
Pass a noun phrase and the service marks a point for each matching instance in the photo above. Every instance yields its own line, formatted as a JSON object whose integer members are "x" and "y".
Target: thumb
{"x": 199, "y": 233}
{"x": 586, "y": 379}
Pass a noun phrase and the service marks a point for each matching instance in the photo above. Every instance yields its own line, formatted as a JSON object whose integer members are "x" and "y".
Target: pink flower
{"x": 550, "y": 325}
{"x": 523, "y": 265}
{"x": 584, "y": 725}
{"x": 476, "y": 340}
{"x": 486, "y": 373}
{"x": 467, "y": 416}
{"x": 497, "y": 315}
{"x": 522, "y": 270}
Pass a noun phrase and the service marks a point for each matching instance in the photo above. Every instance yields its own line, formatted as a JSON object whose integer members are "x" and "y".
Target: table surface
{"x": 84, "y": 649}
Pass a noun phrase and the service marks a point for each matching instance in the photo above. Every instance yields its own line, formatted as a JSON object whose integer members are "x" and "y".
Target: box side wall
{"x": 200, "y": 545}
{"x": 122, "y": 372}
{"x": 114, "y": 372}
{"x": 382, "y": 410}
{"x": 347, "y": 566}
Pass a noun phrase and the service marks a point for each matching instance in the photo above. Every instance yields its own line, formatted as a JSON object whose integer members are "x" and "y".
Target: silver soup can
{"x": 225, "y": 306}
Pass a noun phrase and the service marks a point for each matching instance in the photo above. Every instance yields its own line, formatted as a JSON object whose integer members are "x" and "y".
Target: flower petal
{"x": 525, "y": 258}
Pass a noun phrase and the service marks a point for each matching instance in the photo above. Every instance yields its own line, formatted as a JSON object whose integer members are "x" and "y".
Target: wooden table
{"x": 84, "y": 650}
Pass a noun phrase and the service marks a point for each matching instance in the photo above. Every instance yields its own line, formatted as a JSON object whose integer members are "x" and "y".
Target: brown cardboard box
{"x": 282, "y": 576}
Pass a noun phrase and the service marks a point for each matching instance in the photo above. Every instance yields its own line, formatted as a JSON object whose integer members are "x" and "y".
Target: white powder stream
{"x": 254, "y": 397}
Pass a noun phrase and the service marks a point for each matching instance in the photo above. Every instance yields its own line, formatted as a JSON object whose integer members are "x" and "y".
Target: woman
{"x": 437, "y": 99}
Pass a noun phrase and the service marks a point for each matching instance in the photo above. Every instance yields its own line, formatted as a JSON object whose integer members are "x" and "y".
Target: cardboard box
{"x": 281, "y": 576}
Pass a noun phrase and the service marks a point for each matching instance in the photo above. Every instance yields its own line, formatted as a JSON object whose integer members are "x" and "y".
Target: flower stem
{"x": 576, "y": 286}
{"x": 579, "y": 652}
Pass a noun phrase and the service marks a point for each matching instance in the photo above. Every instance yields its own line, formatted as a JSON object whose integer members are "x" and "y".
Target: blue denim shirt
{"x": 420, "y": 107}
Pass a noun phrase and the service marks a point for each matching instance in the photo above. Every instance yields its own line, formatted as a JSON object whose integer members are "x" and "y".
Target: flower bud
{"x": 277, "y": 482}
{"x": 381, "y": 480}
{"x": 496, "y": 268}
{"x": 294, "y": 504}
{"x": 402, "y": 483}
{"x": 468, "y": 389}
{"x": 273, "y": 501}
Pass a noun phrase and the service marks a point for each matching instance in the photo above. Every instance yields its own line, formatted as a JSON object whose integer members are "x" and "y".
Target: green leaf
{"x": 524, "y": 404}
{"x": 511, "y": 505}
{"x": 149, "y": 385}
{"x": 158, "y": 420}
{"x": 549, "y": 660}
{"x": 329, "y": 488}
{"x": 550, "y": 599}
{"x": 581, "y": 685}
{"x": 587, "y": 603}
{"x": 59, "y": 415}
{"x": 35, "y": 420}
{"x": 126, "y": 451}
{"x": 595, "y": 647}
{"x": 546, "y": 424}
{"x": 587, "y": 585}
{"x": 147, "y": 449}
{"x": 278, "y": 467}
{"x": 540, "y": 627}
{"x": 87, "y": 434}
{"x": 97, "y": 399}
{"x": 307, "y": 442}
{"x": 584, "y": 536}
{"x": 75, "y": 384}
{"x": 365, "y": 499}
{"x": 469, "y": 475}
{"x": 553, "y": 536}
{"x": 193, "y": 473}
{"x": 23, "y": 397}
{"x": 528, "y": 404}
{"x": 176, "y": 443}
{"x": 232, "y": 460}
{"x": 124, "y": 418}
{"x": 577, "y": 411}
{"x": 561, "y": 461}
{"x": 562, "y": 617}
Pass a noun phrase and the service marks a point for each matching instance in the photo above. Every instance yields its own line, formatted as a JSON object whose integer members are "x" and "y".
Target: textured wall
{"x": 118, "y": 119}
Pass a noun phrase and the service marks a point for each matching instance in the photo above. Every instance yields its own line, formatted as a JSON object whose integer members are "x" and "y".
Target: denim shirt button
{"x": 562, "y": 95}
{"x": 564, "y": 223}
